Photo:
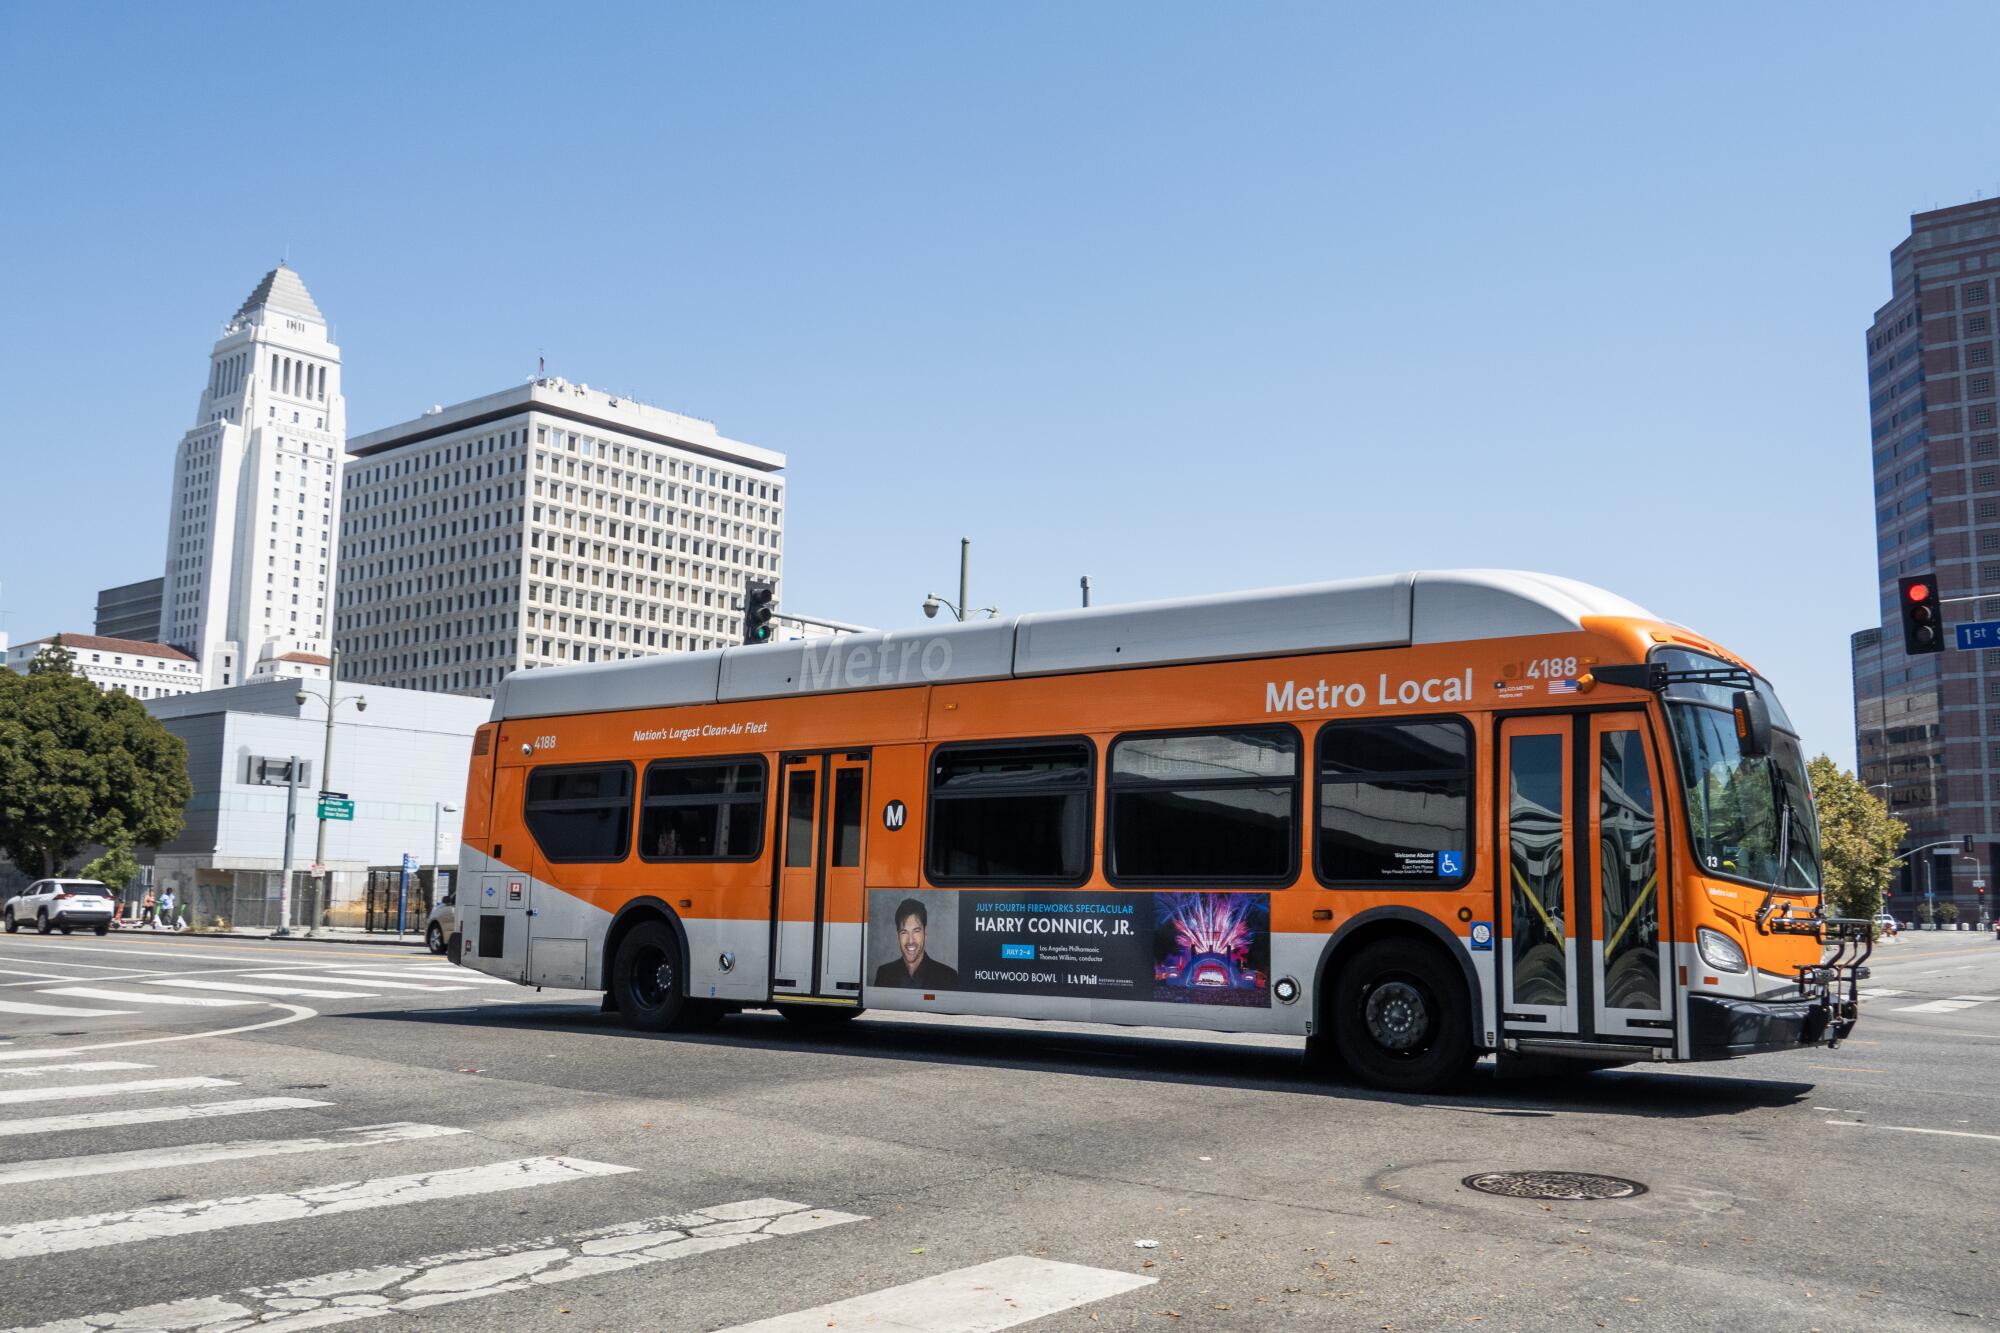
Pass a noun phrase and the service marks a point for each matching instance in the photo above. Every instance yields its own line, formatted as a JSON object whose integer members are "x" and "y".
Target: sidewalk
{"x": 324, "y": 935}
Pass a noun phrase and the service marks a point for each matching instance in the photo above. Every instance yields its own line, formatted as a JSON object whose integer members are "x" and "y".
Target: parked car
{"x": 60, "y": 904}
{"x": 1886, "y": 925}
{"x": 443, "y": 923}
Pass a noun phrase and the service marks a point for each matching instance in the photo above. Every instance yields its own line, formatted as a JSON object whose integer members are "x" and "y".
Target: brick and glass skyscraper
{"x": 1927, "y": 728}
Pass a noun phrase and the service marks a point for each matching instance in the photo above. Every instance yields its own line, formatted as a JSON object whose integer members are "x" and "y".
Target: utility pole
{"x": 964, "y": 560}
{"x": 959, "y": 611}
{"x": 323, "y": 880}
{"x": 291, "y": 825}
{"x": 1085, "y": 581}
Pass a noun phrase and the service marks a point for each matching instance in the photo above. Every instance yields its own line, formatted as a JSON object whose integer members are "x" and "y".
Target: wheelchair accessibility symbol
{"x": 1448, "y": 864}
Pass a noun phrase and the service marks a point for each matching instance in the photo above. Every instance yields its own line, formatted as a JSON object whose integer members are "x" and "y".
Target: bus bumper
{"x": 1721, "y": 1028}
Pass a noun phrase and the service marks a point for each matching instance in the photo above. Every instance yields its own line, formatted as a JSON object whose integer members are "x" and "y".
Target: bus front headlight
{"x": 1719, "y": 951}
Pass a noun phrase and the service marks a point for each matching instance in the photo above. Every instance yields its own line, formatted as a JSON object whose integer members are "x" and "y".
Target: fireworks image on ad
{"x": 1212, "y": 948}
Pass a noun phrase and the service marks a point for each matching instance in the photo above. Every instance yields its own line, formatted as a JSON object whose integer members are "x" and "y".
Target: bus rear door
{"x": 818, "y": 909}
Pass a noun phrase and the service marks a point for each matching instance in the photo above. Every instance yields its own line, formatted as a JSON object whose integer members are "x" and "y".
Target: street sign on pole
{"x": 332, "y": 809}
{"x": 1978, "y": 634}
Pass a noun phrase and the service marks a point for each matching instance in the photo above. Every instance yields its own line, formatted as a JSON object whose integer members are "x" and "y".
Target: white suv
{"x": 60, "y": 903}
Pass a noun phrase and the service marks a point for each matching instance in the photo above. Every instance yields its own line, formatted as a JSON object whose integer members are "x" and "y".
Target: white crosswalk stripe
{"x": 195, "y": 1154}
{"x": 262, "y": 988}
{"x": 56, "y": 1010}
{"x": 979, "y": 1299}
{"x": 1949, "y": 1006}
{"x": 63, "y": 1235}
{"x": 344, "y": 978}
{"x": 466, "y": 1275}
{"x": 71, "y": 1092}
{"x": 152, "y": 1115}
{"x": 142, "y": 997}
{"x": 77, "y": 1067}
{"x": 453, "y": 976}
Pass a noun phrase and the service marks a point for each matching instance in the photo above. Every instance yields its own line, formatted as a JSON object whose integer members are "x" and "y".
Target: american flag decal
{"x": 1562, "y": 687}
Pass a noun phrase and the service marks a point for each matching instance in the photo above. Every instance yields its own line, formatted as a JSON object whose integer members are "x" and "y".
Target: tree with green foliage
{"x": 115, "y": 868}
{"x": 82, "y": 767}
{"x": 1858, "y": 838}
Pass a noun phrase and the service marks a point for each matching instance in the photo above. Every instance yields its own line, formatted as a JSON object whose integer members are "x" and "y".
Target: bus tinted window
{"x": 1394, "y": 799}
{"x": 703, "y": 812}
{"x": 1011, "y": 812}
{"x": 582, "y": 813}
{"x": 1218, "y": 805}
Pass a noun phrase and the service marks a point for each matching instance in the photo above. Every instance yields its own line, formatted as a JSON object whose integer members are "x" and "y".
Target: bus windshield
{"x": 1751, "y": 818}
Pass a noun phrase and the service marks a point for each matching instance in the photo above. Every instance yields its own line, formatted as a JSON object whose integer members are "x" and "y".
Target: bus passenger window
{"x": 581, "y": 813}
{"x": 702, "y": 811}
{"x": 1394, "y": 800}
{"x": 1220, "y": 805}
{"x": 1011, "y": 812}
{"x": 847, "y": 817}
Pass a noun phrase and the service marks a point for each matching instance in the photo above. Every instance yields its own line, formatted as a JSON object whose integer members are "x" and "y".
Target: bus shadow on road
{"x": 1220, "y": 1063}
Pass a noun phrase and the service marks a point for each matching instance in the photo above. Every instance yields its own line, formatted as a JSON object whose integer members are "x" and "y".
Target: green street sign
{"x": 336, "y": 809}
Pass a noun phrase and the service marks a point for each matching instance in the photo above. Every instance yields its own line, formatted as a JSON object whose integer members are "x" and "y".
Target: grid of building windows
{"x": 567, "y": 529}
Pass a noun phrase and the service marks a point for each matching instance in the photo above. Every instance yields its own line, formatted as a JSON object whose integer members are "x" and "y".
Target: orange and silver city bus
{"x": 1410, "y": 819}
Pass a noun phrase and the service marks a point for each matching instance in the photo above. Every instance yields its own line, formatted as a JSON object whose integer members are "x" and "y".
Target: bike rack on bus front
{"x": 1852, "y": 941}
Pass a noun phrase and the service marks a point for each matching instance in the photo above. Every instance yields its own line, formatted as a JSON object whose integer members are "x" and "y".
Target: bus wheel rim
{"x": 1398, "y": 1016}
{"x": 652, "y": 978}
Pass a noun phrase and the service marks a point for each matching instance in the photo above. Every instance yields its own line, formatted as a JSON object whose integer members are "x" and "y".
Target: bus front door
{"x": 1538, "y": 982}
{"x": 820, "y": 909}
{"x": 1584, "y": 953}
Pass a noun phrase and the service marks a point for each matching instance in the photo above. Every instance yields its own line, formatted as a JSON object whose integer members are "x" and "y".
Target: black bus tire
{"x": 1401, "y": 1018}
{"x": 646, "y": 982}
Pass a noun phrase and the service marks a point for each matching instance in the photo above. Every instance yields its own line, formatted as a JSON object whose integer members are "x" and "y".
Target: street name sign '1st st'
{"x": 1978, "y": 634}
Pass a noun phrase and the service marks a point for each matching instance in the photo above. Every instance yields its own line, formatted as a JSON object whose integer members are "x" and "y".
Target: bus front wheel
{"x": 1401, "y": 1017}
{"x": 646, "y": 980}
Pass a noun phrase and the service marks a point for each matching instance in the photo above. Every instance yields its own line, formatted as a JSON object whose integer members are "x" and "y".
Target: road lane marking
{"x": 194, "y": 1154}
{"x": 64, "y": 1235}
{"x": 465, "y": 1275}
{"x": 244, "y": 988}
{"x": 12, "y": 1096}
{"x": 1912, "y": 1129}
{"x": 460, "y": 977}
{"x": 141, "y": 997}
{"x": 56, "y": 1010}
{"x": 44, "y": 1054}
{"x": 1976, "y": 999}
{"x": 78, "y": 1067}
{"x": 153, "y": 1115}
{"x": 1936, "y": 1007}
{"x": 341, "y": 980}
{"x": 135, "y": 951}
{"x": 979, "y": 1299}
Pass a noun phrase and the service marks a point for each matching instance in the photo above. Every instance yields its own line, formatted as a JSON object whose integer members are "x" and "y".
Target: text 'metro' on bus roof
{"x": 1392, "y": 611}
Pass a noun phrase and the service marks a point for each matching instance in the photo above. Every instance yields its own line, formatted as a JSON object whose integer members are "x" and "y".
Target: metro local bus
{"x": 1410, "y": 819}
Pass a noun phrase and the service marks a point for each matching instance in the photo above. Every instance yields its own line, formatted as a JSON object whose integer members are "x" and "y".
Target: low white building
{"x": 129, "y": 666}
{"x": 401, "y": 760}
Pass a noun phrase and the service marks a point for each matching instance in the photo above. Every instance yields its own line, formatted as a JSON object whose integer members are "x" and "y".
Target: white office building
{"x": 249, "y": 567}
{"x": 128, "y": 666}
{"x": 552, "y": 523}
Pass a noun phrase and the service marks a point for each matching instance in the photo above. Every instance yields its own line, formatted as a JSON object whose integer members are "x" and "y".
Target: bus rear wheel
{"x": 1401, "y": 1017}
{"x": 646, "y": 981}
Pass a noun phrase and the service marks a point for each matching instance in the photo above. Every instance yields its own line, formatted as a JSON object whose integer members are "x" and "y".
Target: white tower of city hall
{"x": 250, "y": 551}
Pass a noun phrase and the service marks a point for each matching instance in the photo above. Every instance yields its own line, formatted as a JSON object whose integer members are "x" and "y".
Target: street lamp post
{"x": 438, "y": 810}
{"x": 324, "y": 893}
{"x": 959, "y": 610}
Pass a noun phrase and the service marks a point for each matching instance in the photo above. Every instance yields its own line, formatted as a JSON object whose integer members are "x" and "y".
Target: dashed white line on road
{"x": 1912, "y": 1129}
{"x": 1936, "y": 1007}
{"x": 194, "y": 1154}
{"x": 465, "y": 1275}
{"x": 46, "y": 1053}
{"x": 142, "y": 997}
{"x": 62, "y": 1235}
{"x": 70, "y": 1092}
{"x": 153, "y": 1115}
{"x": 985, "y": 1297}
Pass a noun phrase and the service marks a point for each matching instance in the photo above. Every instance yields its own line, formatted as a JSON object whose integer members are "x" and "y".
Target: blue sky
{"x": 1187, "y": 298}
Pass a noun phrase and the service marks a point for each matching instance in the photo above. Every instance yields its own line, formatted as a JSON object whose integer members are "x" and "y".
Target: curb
{"x": 376, "y": 940}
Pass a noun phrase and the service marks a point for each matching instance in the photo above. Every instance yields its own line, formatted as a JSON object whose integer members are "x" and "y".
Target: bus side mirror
{"x": 1753, "y": 722}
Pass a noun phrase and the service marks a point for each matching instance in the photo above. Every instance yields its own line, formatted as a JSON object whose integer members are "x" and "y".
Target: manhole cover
{"x": 1570, "y": 1185}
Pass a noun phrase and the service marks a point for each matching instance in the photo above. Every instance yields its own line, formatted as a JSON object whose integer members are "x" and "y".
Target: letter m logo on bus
{"x": 893, "y": 815}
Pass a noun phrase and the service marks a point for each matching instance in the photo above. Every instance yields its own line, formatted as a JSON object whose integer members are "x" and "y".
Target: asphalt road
{"x": 476, "y": 1156}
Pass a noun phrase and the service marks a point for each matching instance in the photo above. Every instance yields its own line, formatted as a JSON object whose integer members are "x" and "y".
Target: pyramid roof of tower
{"x": 281, "y": 289}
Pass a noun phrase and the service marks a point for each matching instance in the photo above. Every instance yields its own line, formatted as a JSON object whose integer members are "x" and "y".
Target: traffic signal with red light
{"x": 1923, "y": 625}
